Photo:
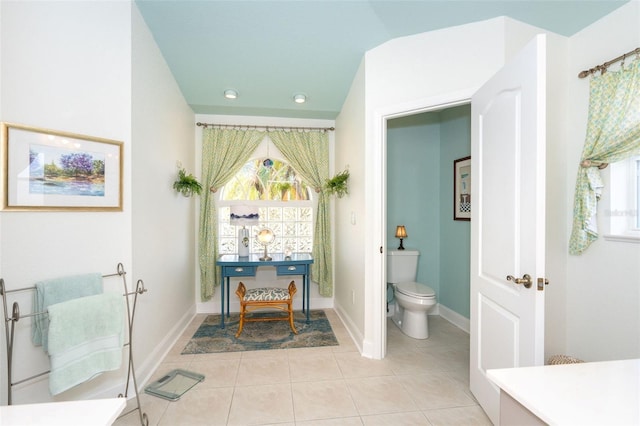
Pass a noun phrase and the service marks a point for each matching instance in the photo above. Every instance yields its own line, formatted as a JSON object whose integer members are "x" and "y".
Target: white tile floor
{"x": 420, "y": 382}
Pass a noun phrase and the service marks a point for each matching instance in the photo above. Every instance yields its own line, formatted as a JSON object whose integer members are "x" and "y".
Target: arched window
{"x": 284, "y": 203}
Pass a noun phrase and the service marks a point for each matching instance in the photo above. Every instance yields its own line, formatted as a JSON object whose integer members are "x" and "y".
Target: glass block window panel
{"x": 283, "y": 201}
{"x": 305, "y": 245}
{"x": 228, "y": 245}
{"x": 305, "y": 229}
{"x": 289, "y": 229}
{"x": 290, "y": 213}
{"x": 305, "y": 214}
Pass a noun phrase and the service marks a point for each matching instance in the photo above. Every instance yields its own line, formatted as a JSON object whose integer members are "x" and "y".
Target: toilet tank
{"x": 402, "y": 265}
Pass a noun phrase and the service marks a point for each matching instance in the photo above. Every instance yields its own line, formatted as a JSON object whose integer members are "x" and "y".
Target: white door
{"x": 508, "y": 223}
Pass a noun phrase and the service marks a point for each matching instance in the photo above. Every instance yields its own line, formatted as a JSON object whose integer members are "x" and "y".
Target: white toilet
{"x": 413, "y": 300}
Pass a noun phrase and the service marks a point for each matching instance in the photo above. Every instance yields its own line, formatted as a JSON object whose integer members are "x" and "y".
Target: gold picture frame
{"x": 50, "y": 170}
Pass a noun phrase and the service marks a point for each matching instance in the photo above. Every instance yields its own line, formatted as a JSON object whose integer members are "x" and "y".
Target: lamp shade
{"x": 401, "y": 232}
{"x": 244, "y": 215}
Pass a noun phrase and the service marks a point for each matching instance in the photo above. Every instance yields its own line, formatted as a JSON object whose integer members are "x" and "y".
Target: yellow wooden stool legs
{"x": 266, "y": 297}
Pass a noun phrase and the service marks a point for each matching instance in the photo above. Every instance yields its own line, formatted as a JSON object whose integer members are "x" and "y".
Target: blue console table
{"x": 231, "y": 265}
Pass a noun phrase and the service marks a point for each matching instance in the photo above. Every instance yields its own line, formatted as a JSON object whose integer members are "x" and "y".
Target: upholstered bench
{"x": 266, "y": 297}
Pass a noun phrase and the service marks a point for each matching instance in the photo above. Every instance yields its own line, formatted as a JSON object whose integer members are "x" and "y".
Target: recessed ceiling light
{"x": 299, "y": 98}
{"x": 230, "y": 94}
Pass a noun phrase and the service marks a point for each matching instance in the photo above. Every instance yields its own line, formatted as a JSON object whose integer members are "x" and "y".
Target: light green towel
{"x": 86, "y": 337}
{"x": 59, "y": 290}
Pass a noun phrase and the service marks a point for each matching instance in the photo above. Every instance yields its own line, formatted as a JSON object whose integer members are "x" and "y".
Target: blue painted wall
{"x": 420, "y": 154}
{"x": 455, "y": 244}
{"x": 413, "y": 182}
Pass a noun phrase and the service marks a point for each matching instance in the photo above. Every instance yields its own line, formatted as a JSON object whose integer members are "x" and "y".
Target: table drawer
{"x": 291, "y": 269}
{"x": 239, "y": 271}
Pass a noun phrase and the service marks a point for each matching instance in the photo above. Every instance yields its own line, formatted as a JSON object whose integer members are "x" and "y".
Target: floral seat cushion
{"x": 266, "y": 294}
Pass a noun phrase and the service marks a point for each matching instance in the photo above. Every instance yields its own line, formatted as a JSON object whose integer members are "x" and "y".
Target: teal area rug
{"x": 211, "y": 338}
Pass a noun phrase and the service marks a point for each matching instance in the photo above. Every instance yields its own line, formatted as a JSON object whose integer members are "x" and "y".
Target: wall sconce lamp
{"x": 299, "y": 98}
{"x": 401, "y": 232}
{"x": 230, "y": 94}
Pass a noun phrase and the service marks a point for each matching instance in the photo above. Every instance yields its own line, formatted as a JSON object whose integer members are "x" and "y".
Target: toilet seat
{"x": 414, "y": 289}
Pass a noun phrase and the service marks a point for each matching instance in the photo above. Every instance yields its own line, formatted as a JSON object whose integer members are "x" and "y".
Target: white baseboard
{"x": 350, "y": 326}
{"x": 162, "y": 349}
{"x": 146, "y": 368}
{"x": 454, "y": 318}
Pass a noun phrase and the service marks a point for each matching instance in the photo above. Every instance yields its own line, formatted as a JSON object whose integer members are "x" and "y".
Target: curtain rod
{"x": 603, "y": 67}
{"x": 267, "y": 128}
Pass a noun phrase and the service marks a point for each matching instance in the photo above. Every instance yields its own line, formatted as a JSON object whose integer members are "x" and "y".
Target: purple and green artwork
{"x": 59, "y": 171}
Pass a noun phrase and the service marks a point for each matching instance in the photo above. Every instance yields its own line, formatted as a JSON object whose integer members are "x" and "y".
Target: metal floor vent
{"x": 174, "y": 384}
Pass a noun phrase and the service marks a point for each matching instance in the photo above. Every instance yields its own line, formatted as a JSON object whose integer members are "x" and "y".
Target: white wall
{"x": 404, "y": 76}
{"x": 348, "y": 242}
{"x": 400, "y": 75}
{"x": 603, "y": 284}
{"x": 65, "y": 66}
{"x": 93, "y": 68}
{"x": 556, "y": 195}
{"x": 164, "y": 223}
{"x": 592, "y": 301}
{"x": 437, "y": 62}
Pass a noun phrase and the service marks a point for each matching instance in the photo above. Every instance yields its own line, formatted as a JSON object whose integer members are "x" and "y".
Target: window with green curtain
{"x": 224, "y": 153}
{"x": 613, "y": 134}
{"x": 308, "y": 153}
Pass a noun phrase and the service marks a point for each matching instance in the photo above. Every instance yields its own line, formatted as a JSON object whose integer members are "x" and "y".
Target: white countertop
{"x": 590, "y": 393}
{"x": 91, "y": 412}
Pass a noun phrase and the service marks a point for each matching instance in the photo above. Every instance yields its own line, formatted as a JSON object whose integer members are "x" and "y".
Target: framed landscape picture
{"x": 51, "y": 170}
{"x": 462, "y": 189}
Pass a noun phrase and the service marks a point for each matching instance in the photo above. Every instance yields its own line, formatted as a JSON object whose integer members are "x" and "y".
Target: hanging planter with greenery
{"x": 187, "y": 184}
{"x": 337, "y": 185}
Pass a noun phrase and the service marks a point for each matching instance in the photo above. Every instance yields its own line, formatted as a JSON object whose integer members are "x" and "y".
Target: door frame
{"x": 375, "y": 344}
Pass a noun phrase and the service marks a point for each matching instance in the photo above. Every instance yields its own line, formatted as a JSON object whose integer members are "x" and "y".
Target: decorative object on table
{"x": 337, "y": 185}
{"x": 187, "y": 184}
{"x": 174, "y": 384}
{"x": 241, "y": 215}
{"x": 462, "y": 189}
{"x": 265, "y": 237}
{"x": 401, "y": 232}
{"x": 49, "y": 170}
{"x": 212, "y": 338}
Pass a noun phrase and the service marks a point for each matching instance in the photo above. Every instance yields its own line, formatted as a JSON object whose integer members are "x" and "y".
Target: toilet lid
{"x": 415, "y": 289}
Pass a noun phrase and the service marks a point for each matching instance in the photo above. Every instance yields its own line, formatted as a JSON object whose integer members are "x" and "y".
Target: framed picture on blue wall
{"x": 462, "y": 189}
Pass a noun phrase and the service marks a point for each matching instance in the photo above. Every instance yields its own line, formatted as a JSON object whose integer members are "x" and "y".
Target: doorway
{"x": 508, "y": 115}
{"x": 420, "y": 151}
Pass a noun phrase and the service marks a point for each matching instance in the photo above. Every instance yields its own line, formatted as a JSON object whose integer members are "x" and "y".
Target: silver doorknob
{"x": 526, "y": 280}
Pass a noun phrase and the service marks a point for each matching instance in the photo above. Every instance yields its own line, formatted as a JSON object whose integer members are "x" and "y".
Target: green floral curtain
{"x": 613, "y": 134}
{"x": 308, "y": 154}
{"x": 224, "y": 152}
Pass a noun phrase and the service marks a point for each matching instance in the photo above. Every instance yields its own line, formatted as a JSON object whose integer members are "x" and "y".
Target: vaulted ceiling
{"x": 267, "y": 51}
